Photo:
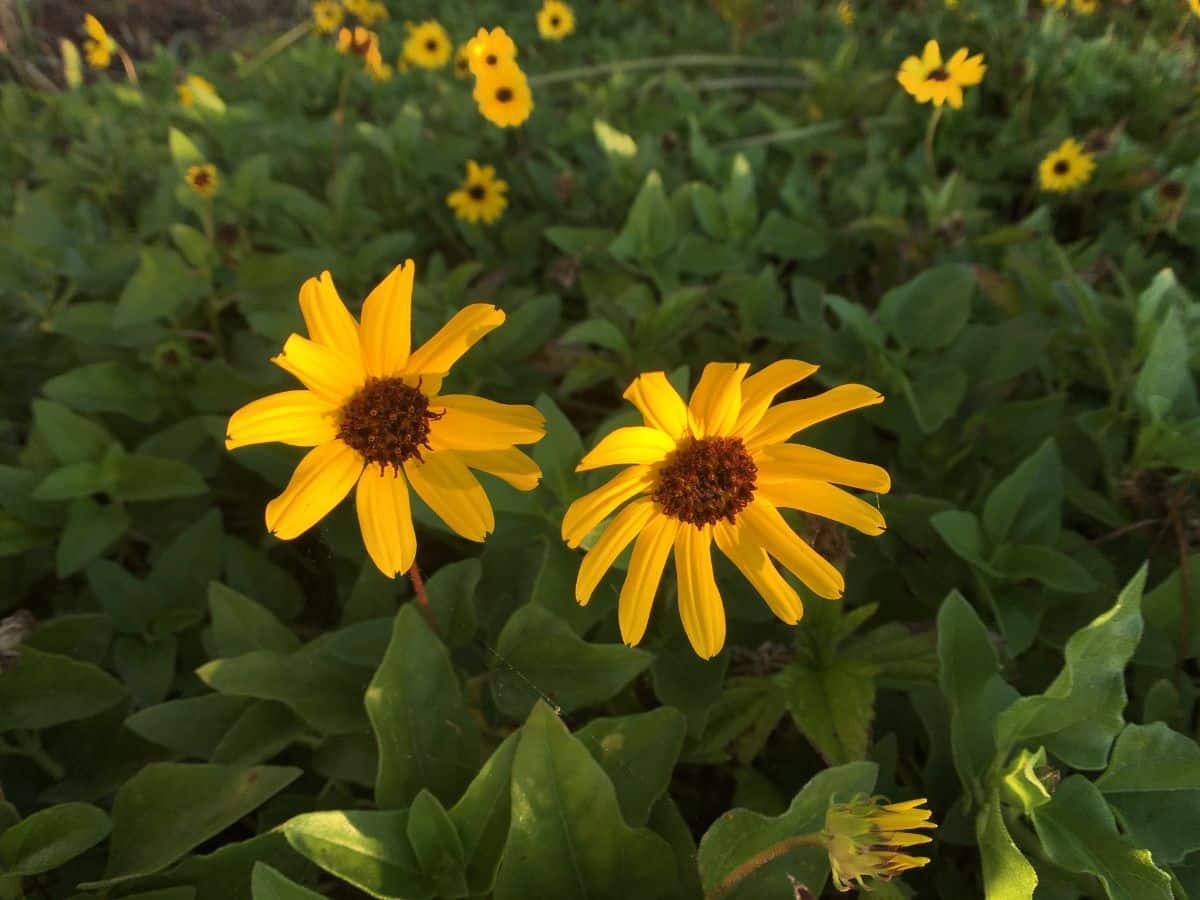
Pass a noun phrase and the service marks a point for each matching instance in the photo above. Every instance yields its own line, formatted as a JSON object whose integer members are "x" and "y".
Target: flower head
{"x": 866, "y": 839}
{"x": 845, "y": 12}
{"x": 462, "y": 61}
{"x": 717, "y": 469}
{"x": 192, "y": 85}
{"x": 928, "y": 78}
{"x": 490, "y": 50}
{"x": 203, "y": 179}
{"x": 98, "y": 48}
{"x": 1067, "y": 168}
{"x": 327, "y": 16}
{"x": 1054, "y": 4}
{"x": 555, "y": 20}
{"x": 1087, "y": 7}
{"x": 481, "y": 197}
{"x": 361, "y": 42}
{"x": 1195, "y": 5}
{"x": 427, "y": 45}
{"x": 371, "y": 13}
{"x": 503, "y": 96}
{"x": 376, "y": 417}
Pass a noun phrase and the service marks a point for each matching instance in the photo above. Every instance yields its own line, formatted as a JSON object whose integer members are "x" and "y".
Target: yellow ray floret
{"x": 372, "y": 411}
{"x": 481, "y": 198}
{"x": 503, "y": 95}
{"x": 555, "y": 20}
{"x": 427, "y": 45}
{"x": 717, "y": 470}
{"x": 489, "y": 50}
{"x": 930, "y": 80}
{"x": 865, "y": 839}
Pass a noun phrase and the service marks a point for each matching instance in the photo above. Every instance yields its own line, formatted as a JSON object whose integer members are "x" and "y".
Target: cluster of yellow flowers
{"x": 501, "y": 88}
{"x": 98, "y": 47}
{"x": 364, "y": 43}
{"x": 328, "y": 15}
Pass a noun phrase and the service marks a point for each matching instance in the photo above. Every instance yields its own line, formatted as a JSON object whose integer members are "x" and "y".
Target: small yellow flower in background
{"x": 489, "y": 50}
{"x": 98, "y": 48}
{"x": 866, "y": 839}
{"x": 378, "y": 69}
{"x": 203, "y": 179}
{"x": 363, "y": 43}
{"x": 427, "y": 45}
{"x": 374, "y": 414}
{"x": 481, "y": 197}
{"x": 555, "y": 20}
{"x": 192, "y": 85}
{"x": 928, "y": 78}
{"x": 717, "y": 470}
{"x": 1066, "y": 168}
{"x": 462, "y": 61}
{"x": 1085, "y": 7}
{"x": 1195, "y": 5}
{"x": 1054, "y": 4}
{"x": 951, "y": 4}
{"x": 845, "y": 12}
{"x": 327, "y": 16}
{"x": 371, "y": 13}
{"x": 503, "y": 96}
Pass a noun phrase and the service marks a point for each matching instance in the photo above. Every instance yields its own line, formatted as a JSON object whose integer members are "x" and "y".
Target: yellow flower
{"x": 718, "y": 469}
{"x": 378, "y": 69}
{"x": 951, "y": 4}
{"x": 360, "y": 42}
{"x": 927, "y": 78}
{"x": 327, "y": 16}
{"x": 503, "y": 96}
{"x": 555, "y": 20}
{"x": 371, "y": 13}
{"x": 462, "y": 61}
{"x": 1195, "y": 5}
{"x": 490, "y": 50}
{"x": 427, "y": 45}
{"x": 203, "y": 179}
{"x": 355, "y": 7}
{"x": 481, "y": 197}
{"x": 845, "y": 12}
{"x": 1067, "y": 168}
{"x": 98, "y": 48}
{"x": 1056, "y": 4}
{"x": 1087, "y": 7}
{"x": 865, "y": 839}
{"x": 193, "y": 84}
{"x": 374, "y": 414}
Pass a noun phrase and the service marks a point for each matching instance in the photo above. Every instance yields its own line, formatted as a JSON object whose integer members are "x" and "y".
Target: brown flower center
{"x": 387, "y": 422}
{"x": 504, "y": 95}
{"x": 431, "y": 45}
{"x": 1171, "y": 191}
{"x": 554, "y": 21}
{"x": 938, "y": 74}
{"x": 491, "y": 59}
{"x": 1062, "y": 167}
{"x": 476, "y": 192}
{"x": 705, "y": 480}
{"x": 200, "y": 179}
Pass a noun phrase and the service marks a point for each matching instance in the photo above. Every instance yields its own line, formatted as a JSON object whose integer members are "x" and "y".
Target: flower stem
{"x": 29, "y": 746}
{"x": 930, "y": 132}
{"x": 756, "y": 862}
{"x": 418, "y": 584}
{"x": 664, "y": 62}
{"x": 130, "y": 71}
{"x": 276, "y": 47}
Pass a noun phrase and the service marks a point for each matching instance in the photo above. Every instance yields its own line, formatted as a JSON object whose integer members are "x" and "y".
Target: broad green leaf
{"x": 80, "y": 479}
{"x": 149, "y": 833}
{"x": 741, "y": 206}
{"x": 226, "y": 872}
{"x": 91, "y": 529}
{"x": 962, "y": 534}
{"x": 931, "y": 310}
{"x": 1078, "y": 833}
{"x": 1026, "y": 507}
{"x": 1007, "y": 874}
{"x": 1022, "y": 783}
{"x": 239, "y": 625}
{"x": 162, "y": 287}
{"x": 142, "y": 478}
{"x": 45, "y": 689}
{"x": 567, "y": 838}
{"x": 260, "y": 732}
{"x": 1165, "y": 385}
{"x": 437, "y": 846}
{"x": 740, "y": 834}
{"x": 1080, "y": 713}
{"x": 51, "y": 837}
{"x": 650, "y": 229}
{"x": 267, "y": 883}
{"x": 106, "y": 387}
{"x": 72, "y": 438}
{"x": 481, "y": 817}
{"x": 639, "y": 753}
{"x": 833, "y": 706}
{"x": 426, "y": 737}
{"x": 193, "y": 726}
{"x": 451, "y": 593}
{"x": 539, "y": 656}
{"x": 146, "y": 666}
{"x": 558, "y": 452}
{"x": 690, "y": 684}
{"x": 1044, "y": 565}
{"x": 184, "y": 152}
{"x": 667, "y": 822}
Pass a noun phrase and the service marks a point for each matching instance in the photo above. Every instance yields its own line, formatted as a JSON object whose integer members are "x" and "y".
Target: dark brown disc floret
{"x": 1062, "y": 167}
{"x": 938, "y": 74}
{"x": 705, "y": 480}
{"x": 504, "y": 95}
{"x": 387, "y": 422}
{"x": 477, "y": 192}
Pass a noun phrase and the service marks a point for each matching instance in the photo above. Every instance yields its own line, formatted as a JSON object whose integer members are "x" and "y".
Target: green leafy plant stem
{"x": 760, "y": 859}
{"x": 664, "y": 62}
{"x": 29, "y": 746}
{"x": 930, "y": 132}
{"x": 276, "y": 47}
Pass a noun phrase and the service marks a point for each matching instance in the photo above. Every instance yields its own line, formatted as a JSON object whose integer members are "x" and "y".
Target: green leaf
{"x": 1022, "y": 783}
{"x": 105, "y": 387}
{"x": 45, "y": 689}
{"x": 482, "y": 816}
{"x": 184, "y": 152}
{"x": 451, "y": 593}
{"x": 72, "y": 438}
{"x": 558, "y": 452}
{"x": 1079, "y": 714}
{"x": 1026, "y": 507}
{"x": 650, "y": 230}
{"x": 1044, "y": 565}
{"x": 51, "y": 837}
{"x": 962, "y": 534}
{"x": 162, "y": 287}
{"x": 1007, "y": 874}
{"x": 1165, "y": 386}
{"x": 740, "y": 834}
{"x": 82, "y": 479}
{"x": 709, "y": 210}
{"x": 148, "y": 831}
{"x": 146, "y": 666}
{"x": 791, "y": 239}
{"x": 931, "y": 310}
{"x": 639, "y": 753}
{"x": 741, "y": 206}
{"x": 91, "y": 529}
{"x": 271, "y": 884}
{"x": 833, "y": 706}
{"x": 437, "y": 846}
{"x": 260, "y": 732}
{"x": 192, "y": 243}
{"x": 1153, "y": 784}
{"x": 1078, "y": 832}
{"x": 539, "y": 656}
{"x": 426, "y": 737}
{"x": 239, "y": 625}
{"x": 193, "y": 726}
{"x": 368, "y": 849}
{"x": 142, "y": 478}
{"x": 567, "y": 838}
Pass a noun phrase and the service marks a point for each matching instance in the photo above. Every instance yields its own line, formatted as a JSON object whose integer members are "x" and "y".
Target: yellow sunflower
{"x": 462, "y": 61}
{"x": 866, "y": 839}
{"x": 717, "y": 470}
{"x": 327, "y": 16}
{"x": 481, "y": 197}
{"x": 1054, "y": 4}
{"x": 1195, "y": 5}
{"x": 371, "y": 13}
{"x": 488, "y": 51}
{"x": 1086, "y": 7}
{"x": 1066, "y": 168}
{"x": 203, "y": 179}
{"x": 503, "y": 96}
{"x": 191, "y": 86}
{"x": 927, "y": 78}
{"x": 98, "y": 48}
{"x": 845, "y": 12}
{"x": 555, "y": 20}
{"x": 374, "y": 414}
{"x": 427, "y": 45}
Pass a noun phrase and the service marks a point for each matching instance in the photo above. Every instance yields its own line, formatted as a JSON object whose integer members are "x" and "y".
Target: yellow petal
{"x": 624, "y": 527}
{"x": 823, "y": 499}
{"x": 761, "y": 388}
{"x": 438, "y": 354}
{"x": 782, "y": 421}
{"x": 768, "y": 528}
{"x": 753, "y": 562}
{"x": 328, "y": 374}
{"x": 453, "y": 493}
{"x": 508, "y": 464}
{"x": 326, "y": 317}
{"x": 699, "y": 601}
{"x": 591, "y": 509}
{"x": 476, "y": 423}
{"x": 717, "y": 398}
{"x": 320, "y": 481}
{"x": 659, "y": 403}
{"x": 627, "y": 447}
{"x": 385, "y": 517}
{"x": 932, "y": 57}
{"x": 645, "y": 572}
{"x": 94, "y": 29}
{"x": 386, "y": 333}
{"x": 299, "y": 418}
{"x": 786, "y": 462}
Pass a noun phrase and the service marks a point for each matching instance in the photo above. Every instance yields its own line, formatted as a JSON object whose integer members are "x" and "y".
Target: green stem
{"x": 31, "y": 748}
{"x": 930, "y": 132}
{"x": 758, "y": 860}
{"x": 276, "y": 47}
{"x": 1091, "y": 321}
{"x": 662, "y": 62}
